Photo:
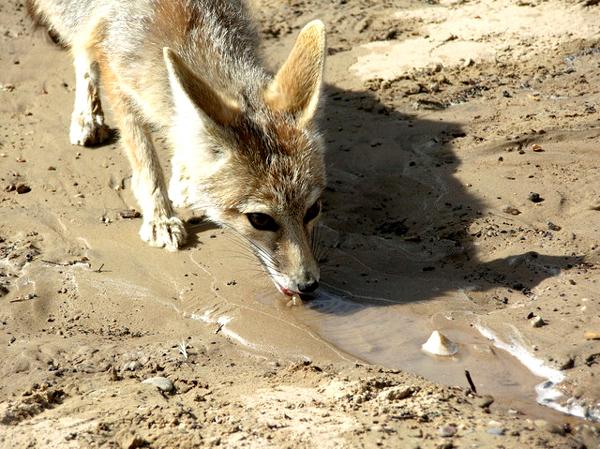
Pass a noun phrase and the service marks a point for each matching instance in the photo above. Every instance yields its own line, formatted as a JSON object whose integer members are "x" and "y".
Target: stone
{"x": 396, "y": 393}
{"x": 439, "y": 344}
{"x": 447, "y": 431}
{"x": 132, "y": 366}
{"x": 162, "y": 383}
{"x": 537, "y": 321}
{"x": 535, "y": 197}
{"x": 484, "y": 401}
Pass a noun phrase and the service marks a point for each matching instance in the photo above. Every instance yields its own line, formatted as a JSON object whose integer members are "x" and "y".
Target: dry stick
{"x": 56, "y": 263}
{"x": 219, "y": 328}
{"x": 99, "y": 270}
{"x": 470, "y": 380}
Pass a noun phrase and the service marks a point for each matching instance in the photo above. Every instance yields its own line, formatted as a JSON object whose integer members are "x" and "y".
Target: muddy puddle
{"x": 341, "y": 321}
{"x": 392, "y": 337}
{"x": 378, "y": 312}
{"x": 384, "y": 316}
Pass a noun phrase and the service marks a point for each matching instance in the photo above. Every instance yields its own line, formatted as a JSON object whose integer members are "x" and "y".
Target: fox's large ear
{"x": 297, "y": 86}
{"x": 191, "y": 93}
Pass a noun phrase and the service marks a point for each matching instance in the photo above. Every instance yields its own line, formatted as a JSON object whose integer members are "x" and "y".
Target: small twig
{"x": 470, "y": 380}
{"x": 219, "y": 328}
{"x": 67, "y": 264}
{"x": 59, "y": 264}
{"x": 99, "y": 270}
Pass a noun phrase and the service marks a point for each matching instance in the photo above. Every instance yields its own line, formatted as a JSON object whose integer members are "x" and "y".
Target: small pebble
{"x": 496, "y": 431}
{"x": 484, "y": 401}
{"x": 396, "y": 393}
{"x": 132, "y": 366}
{"x": 162, "y": 383}
{"x": 537, "y": 148}
{"x": 535, "y": 197}
{"x": 537, "y": 321}
{"x": 447, "y": 431}
{"x": 294, "y": 301}
{"x": 23, "y": 188}
{"x": 553, "y": 227}
{"x": 129, "y": 213}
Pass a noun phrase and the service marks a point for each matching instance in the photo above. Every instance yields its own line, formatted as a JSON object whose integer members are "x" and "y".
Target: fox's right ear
{"x": 297, "y": 85}
{"x": 192, "y": 95}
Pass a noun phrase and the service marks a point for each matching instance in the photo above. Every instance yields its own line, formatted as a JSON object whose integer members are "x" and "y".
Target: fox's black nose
{"x": 308, "y": 287}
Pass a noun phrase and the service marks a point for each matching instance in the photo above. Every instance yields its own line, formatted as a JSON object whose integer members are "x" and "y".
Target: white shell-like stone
{"x": 438, "y": 344}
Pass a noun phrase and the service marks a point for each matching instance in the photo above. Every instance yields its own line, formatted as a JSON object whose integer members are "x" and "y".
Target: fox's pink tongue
{"x": 285, "y": 291}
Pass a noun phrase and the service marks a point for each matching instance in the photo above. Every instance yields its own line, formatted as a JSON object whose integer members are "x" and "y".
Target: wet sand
{"x": 440, "y": 122}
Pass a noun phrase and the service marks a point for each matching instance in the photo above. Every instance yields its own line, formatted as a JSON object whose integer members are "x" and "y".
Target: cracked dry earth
{"x": 442, "y": 120}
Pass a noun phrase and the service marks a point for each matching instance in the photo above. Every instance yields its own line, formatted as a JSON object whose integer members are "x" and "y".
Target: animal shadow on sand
{"x": 397, "y": 226}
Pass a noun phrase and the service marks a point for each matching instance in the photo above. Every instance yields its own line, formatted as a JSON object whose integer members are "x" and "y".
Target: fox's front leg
{"x": 179, "y": 186}
{"x": 160, "y": 227}
{"x": 87, "y": 120}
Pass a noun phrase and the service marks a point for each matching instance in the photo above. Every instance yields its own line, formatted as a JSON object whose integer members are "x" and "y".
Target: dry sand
{"x": 441, "y": 120}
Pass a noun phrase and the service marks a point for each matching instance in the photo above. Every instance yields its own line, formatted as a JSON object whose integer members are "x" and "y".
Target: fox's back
{"x": 213, "y": 37}
{"x": 216, "y": 38}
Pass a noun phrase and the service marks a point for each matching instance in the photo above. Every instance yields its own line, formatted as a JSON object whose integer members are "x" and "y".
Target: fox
{"x": 245, "y": 145}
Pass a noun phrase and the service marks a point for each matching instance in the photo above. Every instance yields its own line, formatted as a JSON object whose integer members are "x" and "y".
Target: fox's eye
{"x": 262, "y": 222}
{"x": 312, "y": 212}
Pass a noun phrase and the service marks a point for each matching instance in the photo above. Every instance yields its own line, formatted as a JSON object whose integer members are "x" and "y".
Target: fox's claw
{"x": 88, "y": 130}
{"x": 164, "y": 232}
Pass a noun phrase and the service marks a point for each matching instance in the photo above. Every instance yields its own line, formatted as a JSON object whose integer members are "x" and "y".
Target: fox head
{"x": 256, "y": 161}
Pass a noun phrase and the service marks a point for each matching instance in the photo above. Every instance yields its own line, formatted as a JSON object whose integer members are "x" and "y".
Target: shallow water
{"x": 392, "y": 337}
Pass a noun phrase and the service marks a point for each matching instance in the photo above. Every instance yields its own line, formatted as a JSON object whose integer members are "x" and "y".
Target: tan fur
{"x": 296, "y": 87}
{"x": 243, "y": 142}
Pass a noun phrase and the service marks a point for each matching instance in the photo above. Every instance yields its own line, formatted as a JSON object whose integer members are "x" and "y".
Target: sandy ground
{"x": 441, "y": 119}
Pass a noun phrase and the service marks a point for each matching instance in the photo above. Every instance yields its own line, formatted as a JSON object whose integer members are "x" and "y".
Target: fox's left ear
{"x": 193, "y": 95}
{"x": 297, "y": 86}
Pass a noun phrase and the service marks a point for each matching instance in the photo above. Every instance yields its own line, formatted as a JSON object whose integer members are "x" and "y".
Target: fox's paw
{"x": 88, "y": 130}
{"x": 164, "y": 232}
